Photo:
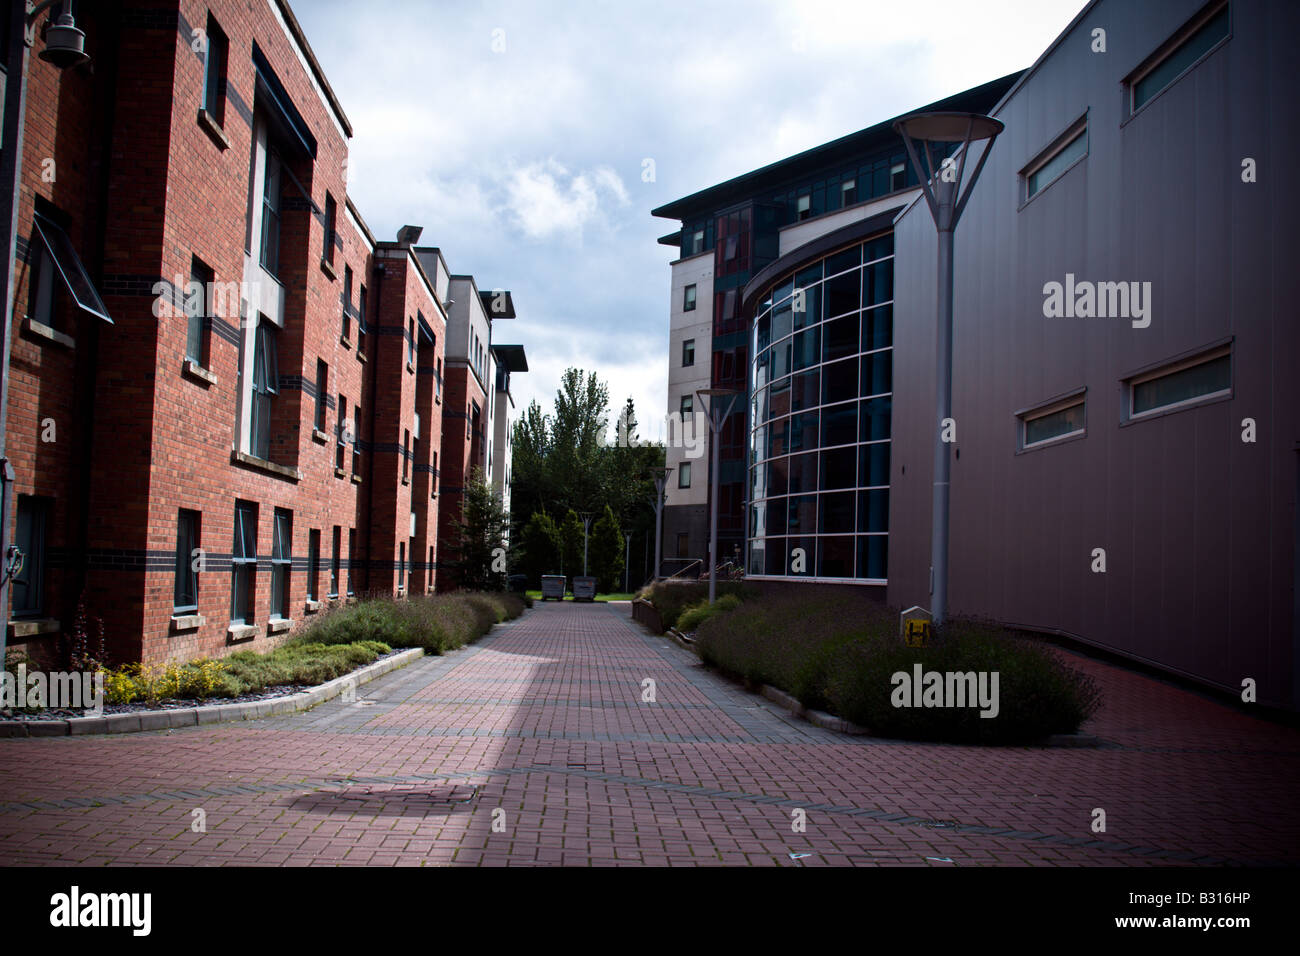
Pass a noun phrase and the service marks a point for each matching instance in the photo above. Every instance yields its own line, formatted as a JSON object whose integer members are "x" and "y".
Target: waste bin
{"x": 584, "y": 588}
{"x": 553, "y": 586}
{"x": 517, "y": 583}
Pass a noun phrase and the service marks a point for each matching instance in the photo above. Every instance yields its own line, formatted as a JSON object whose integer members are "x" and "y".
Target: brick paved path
{"x": 544, "y": 721}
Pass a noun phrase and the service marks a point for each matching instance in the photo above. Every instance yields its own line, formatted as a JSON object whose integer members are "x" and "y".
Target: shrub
{"x": 1038, "y": 694}
{"x": 435, "y": 622}
{"x": 836, "y": 651}
{"x": 671, "y": 599}
{"x": 695, "y": 615}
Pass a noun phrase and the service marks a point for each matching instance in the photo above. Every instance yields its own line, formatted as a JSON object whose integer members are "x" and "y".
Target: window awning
{"x": 280, "y": 105}
{"x": 74, "y": 275}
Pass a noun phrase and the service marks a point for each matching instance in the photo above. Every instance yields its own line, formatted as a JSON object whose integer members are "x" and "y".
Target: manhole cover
{"x": 385, "y": 799}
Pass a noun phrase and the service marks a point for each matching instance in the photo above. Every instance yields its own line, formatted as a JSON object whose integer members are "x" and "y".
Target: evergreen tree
{"x": 571, "y": 533}
{"x": 484, "y": 527}
{"x": 606, "y": 552}
{"x": 541, "y": 548}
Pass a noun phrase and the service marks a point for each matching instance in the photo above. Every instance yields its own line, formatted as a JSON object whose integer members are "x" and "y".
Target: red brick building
{"x": 256, "y": 433}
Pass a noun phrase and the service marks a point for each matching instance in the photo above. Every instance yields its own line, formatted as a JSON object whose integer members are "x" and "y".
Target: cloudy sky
{"x": 517, "y": 134}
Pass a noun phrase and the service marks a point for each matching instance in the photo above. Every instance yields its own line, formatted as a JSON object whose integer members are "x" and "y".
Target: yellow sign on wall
{"x": 917, "y": 633}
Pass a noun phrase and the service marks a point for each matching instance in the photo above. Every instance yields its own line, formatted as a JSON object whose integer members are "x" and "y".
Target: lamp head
{"x": 65, "y": 43}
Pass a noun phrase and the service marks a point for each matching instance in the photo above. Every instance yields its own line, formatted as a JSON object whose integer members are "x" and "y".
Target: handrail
{"x": 677, "y": 574}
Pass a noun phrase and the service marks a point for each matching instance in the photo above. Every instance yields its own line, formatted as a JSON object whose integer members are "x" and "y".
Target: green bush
{"x": 333, "y": 644}
{"x": 837, "y": 651}
{"x": 670, "y": 600}
{"x": 695, "y": 615}
{"x": 435, "y": 622}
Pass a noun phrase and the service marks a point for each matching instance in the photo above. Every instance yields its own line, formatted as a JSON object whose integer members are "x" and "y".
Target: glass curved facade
{"x": 820, "y": 393}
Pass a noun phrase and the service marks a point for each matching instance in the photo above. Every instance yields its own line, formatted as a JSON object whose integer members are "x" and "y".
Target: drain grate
{"x": 385, "y": 799}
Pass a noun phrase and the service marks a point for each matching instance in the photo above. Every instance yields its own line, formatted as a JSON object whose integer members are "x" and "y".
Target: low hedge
{"x": 330, "y": 646}
{"x": 294, "y": 663}
{"x": 671, "y": 599}
{"x": 837, "y": 651}
{"x": 695, "y": 615}
{"x": 436, "y": 622}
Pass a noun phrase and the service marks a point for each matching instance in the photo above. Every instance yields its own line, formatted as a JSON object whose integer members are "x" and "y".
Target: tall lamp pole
{"x": 660, "y": 474}
{"x": 627, "y": 559}
{"x": 64, "y": 47}
{"x": 715, "y": 397}
{"x": 945, "y": 197}
{"x": 586, "y": 526}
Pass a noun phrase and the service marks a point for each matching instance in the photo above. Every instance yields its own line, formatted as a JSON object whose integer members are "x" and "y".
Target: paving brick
{"x": 543, "y": 720}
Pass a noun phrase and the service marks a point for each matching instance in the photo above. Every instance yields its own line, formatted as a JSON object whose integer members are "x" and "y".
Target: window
{"x": 214, "y": 72}
{"x": 197, "y": 310}
{"x": 243, "y": 563}
{"x": 688, "y": 299}
{"x": 1048, "y": 423}
{"x": 266, "y": 386}
{"x": 803, "y": 207}
{"x": 848, "y": 192}
{"x": 361, "y": 321}
{"x": 696, "y": 243}
{"x": 356, "y": 439}
{"x": 347, "y": 302}
{"x": 352, "y": 559}
{"x": 28, "y": 586}
{"x": 410, "y": 345}
{"x": 684, "y": 475}
{"x": 688, "y": 352}
{"x": 406, "y": 455}
{"x": 270, "y": 255}
{"x": 56, "y": 269}
{"x": 281, "y": 561}
{"x": 897, "y": 176}
{"x": 683, "y": 544}
{"x": 1187, "y": 48}
{"x": 322, "y": 383}
{"x": 340, "y": 446}
{"x": 185, "y": 596}
{"x": 334, "y": 562}
{"x": 331, "y": 227}
{"x": 1178, "y": 386}
{"x": 438, "y": 381}
{"x": 687, "y": 405}
{"x": 1051, "y": 164}
{"x": 313, "y": 564}
{"x": 401, "y": 565}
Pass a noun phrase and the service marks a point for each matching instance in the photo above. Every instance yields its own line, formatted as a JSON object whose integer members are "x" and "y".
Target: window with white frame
{"x": 243, "y": 563}
{"x": 1180, "y": 384}
{"x": 1051, "y": 422}
{"x": 1052, "y": 163}
{"x": 1184, "y": 50}
{"x": 281, "y": 562}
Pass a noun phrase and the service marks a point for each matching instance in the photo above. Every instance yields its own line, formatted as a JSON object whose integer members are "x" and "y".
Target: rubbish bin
{"x": 517, "y": 583}
{"x": 584, "y": 588}
{"x": 553, "y": 586}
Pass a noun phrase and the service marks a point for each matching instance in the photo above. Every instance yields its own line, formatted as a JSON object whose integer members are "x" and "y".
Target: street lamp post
{"x": 586, "y": 526}
{"x": 660, "y": 474}
{"x": 627, "y": 559}
{"x": 64, "y": 47}
{"x": 715, "y": 396}
{"x": 946, "y": 199}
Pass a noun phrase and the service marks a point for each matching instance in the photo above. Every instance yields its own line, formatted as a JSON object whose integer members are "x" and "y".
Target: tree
{"x": 577, "y": 440}
{"x": 531, "y": 445}
{"x": 572, "y": 459}
{"x": 483, "y": 527}
{"x": 541, "y": 548}
{"x": 607, "y": 552}
{"x": 571, "y": 533}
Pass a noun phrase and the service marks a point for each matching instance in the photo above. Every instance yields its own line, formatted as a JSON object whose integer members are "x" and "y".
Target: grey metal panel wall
{"x": 1197, "y": 525}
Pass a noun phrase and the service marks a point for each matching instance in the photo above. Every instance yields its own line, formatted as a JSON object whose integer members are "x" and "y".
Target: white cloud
{"x": 543, "y": 199}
